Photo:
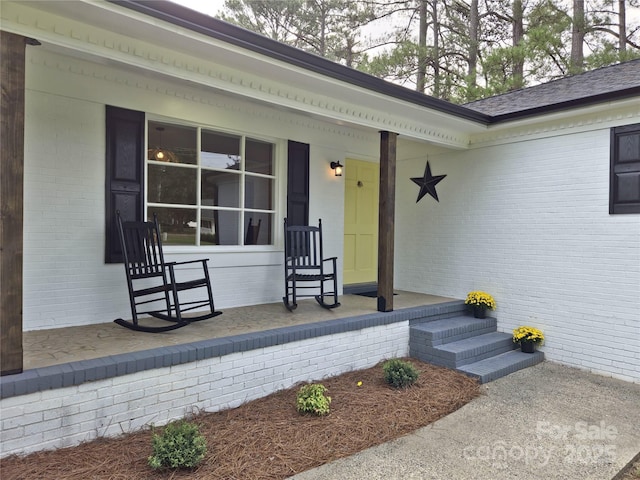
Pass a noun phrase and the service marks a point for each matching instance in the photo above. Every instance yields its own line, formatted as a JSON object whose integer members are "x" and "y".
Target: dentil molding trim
{"x": 104, "y": 46}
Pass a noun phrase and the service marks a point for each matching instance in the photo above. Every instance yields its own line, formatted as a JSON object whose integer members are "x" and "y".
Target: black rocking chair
{"x": 153, "y": 289}
{"x": 304, "y": 266}
{"x": 253, "y": 232}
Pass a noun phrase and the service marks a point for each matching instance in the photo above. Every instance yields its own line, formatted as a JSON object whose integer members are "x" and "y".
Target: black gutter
{"x": 234, "y": 35}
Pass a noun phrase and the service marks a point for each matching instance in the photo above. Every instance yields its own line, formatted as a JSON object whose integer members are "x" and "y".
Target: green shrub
{"x": 312, "y": 399}
{"x": 181, "y": 445}
{"x": 399, "y": 373}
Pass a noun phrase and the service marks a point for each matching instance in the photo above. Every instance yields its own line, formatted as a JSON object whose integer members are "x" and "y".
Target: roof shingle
{"x": 605, "y": 80}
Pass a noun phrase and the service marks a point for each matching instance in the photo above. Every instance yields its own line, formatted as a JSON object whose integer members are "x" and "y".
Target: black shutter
{"x": 298, "y": 184}
{"x": 125, "y": 174}
{"x": 624, "y": 190}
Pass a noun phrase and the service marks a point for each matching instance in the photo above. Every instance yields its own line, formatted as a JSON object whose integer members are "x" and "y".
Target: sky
{"x": 209, "y": 7}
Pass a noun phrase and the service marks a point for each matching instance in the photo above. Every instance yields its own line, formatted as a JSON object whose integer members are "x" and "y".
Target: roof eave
{"x": 232, "y": 34}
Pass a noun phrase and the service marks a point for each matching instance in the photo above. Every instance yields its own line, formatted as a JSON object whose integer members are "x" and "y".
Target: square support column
{"x": 12, "y": 81}
{"x": 386, "y": 220}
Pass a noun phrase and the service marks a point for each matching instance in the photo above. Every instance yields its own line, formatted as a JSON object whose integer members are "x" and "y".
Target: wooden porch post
{"x": 386, "y": 220}
{"x": 12, "y": 82}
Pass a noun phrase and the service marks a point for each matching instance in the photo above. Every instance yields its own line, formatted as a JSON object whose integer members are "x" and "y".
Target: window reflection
{"x": 259, "y": 156}
{"x": 171, "y": 184}
{"x": 220, "y": 189}
{"x": 172, "y": 143}
{"x": 177, "y": 225}
{"x": 220, "y": 151}
{"x": 220, "y": 193}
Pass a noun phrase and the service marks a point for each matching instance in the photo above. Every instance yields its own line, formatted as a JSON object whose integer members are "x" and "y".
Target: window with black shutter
{"x": 624, "y": 190}
{"x": 206, "y": 187}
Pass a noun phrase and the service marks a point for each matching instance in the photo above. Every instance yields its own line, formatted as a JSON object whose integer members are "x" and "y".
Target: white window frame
{"x": 277, "y": 201}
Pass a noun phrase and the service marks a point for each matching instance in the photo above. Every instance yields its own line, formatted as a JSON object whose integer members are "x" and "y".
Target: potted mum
{"x": 480, "y": 302}
{"x": 528, "y": 338}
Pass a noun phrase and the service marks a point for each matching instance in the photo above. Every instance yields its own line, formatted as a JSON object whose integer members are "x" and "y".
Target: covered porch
{"x": 86, "y": 382}
{"x": 45, "y": 348}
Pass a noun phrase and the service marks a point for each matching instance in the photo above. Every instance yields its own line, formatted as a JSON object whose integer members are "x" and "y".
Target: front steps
{"x": 470, "y": 345}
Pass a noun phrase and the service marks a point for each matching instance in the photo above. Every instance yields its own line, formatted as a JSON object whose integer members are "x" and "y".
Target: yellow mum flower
{"x": 527, "y": 333}
{"x": 481, "y": 299}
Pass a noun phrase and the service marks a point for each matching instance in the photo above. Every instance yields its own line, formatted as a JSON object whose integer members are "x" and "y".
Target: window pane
{"x": 226, "y": 225}
{"x": 209, "y": 227}
{"x": 220, "y": 189}
{"x": 170, "y": 184}
{"x": 220, "y": 151}
{"x": 258, "y": 228}
{"x": 177, "y": 225}
{"x": 172, "y": 143}
{"x": 259, "y": 157}
{"x": 258, "y": 193}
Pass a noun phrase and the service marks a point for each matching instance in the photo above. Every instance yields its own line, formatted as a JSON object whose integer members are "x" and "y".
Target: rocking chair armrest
{"x": 333, "y": 262}
{"x": 173, "y": 264}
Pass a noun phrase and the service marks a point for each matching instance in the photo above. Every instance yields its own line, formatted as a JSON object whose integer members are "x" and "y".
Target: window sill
{"x": 228, "y": 256}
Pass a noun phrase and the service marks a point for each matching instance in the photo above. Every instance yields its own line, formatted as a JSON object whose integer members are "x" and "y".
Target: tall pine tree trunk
{"x": 576, "y": 64}
{"x": 436, "y": 49}
{"x": 622, "y": 37}
{"x": 518, "y": 34}
{"x": 473, "y": 43}
{"x": 422, "y": 47}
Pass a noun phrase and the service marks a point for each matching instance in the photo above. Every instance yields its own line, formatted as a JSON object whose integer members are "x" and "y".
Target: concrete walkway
{"x": 547, "y": 421}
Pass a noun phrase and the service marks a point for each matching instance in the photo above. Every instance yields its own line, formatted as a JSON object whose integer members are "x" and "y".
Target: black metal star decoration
{"x": 427, "y": 183}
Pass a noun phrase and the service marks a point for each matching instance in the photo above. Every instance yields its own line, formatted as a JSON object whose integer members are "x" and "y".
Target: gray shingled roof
{"x": 595, "y": 83}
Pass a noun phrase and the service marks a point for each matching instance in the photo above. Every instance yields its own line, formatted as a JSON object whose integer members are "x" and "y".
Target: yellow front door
{"x": 361, "y": 222}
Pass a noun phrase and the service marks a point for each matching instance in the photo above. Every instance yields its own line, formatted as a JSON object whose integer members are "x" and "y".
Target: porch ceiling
{"x": 109, "y": 34}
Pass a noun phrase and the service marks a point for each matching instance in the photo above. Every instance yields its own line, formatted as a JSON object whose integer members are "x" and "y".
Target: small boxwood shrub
{"x": 399, "y": 373}
{"x": 181, "y": 445}
{"x": 312, "y": 399}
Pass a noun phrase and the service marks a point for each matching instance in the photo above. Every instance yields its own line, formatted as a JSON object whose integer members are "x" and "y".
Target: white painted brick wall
{"x": 66, "y": 282}
{"x": 68, "y": 416}
{"x": 529, "y": 223}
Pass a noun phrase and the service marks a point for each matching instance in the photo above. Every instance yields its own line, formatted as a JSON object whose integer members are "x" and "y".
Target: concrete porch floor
{"x": 44, "y": 348}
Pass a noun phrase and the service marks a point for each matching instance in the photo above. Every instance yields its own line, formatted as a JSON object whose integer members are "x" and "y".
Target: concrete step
{"x": 467, "y": 350}
{"x": 445, "y": 330}
{"x": 501, "y": 365}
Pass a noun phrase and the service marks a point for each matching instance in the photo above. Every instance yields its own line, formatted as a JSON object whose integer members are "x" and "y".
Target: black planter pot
{"x": 479, "y": 311}
{"x": 527, "y": 346}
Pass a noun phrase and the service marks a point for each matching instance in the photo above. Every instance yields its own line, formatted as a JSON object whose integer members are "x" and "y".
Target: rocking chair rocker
{"x": 304, "y": 266}
{"x": 153, "y": 289}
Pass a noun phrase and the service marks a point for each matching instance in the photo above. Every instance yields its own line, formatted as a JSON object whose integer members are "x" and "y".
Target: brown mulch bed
{"x": 267, "y": 438}
{"x": 631, "y": 471}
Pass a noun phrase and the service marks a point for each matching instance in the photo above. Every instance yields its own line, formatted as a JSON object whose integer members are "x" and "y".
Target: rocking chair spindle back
{"x": 305, "y": 268}
{"x": 152, "y": 284}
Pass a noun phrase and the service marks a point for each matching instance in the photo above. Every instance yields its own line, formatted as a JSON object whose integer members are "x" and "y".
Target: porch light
{"x": 337, "y": 168}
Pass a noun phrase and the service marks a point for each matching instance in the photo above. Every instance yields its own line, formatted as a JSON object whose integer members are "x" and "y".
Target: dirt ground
{"x": 632, "y": 472}
{"x": 268, "y": 438}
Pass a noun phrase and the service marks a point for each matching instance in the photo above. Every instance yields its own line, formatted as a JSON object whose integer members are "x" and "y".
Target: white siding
{"x": 529, "y": 223}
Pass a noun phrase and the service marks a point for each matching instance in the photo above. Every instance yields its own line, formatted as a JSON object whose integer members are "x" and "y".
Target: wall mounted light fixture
{"x": 337, "y": 168}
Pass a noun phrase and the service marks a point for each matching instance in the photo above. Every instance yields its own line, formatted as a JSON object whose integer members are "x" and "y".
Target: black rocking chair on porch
{"x": 153, "y": 288}
{"x": 304, "y": 266}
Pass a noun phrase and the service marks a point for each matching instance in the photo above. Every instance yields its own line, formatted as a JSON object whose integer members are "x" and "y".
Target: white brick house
{"x": 524, "y": 211}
